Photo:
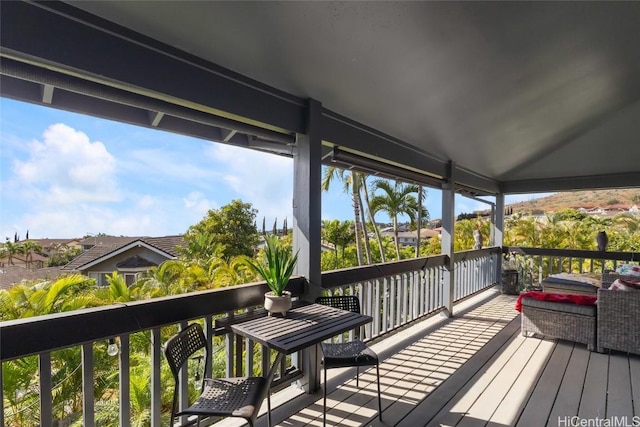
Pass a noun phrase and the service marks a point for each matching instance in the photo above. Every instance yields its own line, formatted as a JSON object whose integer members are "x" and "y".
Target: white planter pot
{"x": 275, "y": 304}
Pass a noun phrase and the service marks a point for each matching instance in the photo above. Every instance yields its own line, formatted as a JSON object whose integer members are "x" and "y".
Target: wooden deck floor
{"x": 476, "y": 369}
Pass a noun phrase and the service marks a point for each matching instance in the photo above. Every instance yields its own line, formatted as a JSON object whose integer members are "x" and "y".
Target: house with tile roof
{"x": 128, "y": 256}
{"x": 14, "y": 274}
{"x": 409, "y": 238}
{"x": 38, "y": 260}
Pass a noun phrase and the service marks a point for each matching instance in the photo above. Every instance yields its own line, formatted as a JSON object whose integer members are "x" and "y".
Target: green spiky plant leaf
{"x": 277, "y": 266}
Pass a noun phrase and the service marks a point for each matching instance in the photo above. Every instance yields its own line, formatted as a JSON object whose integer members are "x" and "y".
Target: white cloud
{"x": 67, "y": 168}
{"x": 262, "y": 179}
{"x": 197, "y": 203}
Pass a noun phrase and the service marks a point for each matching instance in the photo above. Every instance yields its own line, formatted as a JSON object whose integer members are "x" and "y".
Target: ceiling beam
{"x": 595, "y": 182}
{"x": 11, "y": 69}
{"x": 227, "y": 94}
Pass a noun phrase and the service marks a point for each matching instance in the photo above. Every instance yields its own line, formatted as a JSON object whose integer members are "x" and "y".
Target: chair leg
{"x": 379, "y": 398}
{"x": 324, "y": 405}
{"x": 357, "y": 376}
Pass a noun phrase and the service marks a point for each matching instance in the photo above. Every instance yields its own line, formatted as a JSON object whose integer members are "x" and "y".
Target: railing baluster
{"x": 1, "y": 397}
{"x": 46, "y": 396}
{"x": 125, "y": 381}
{"x": 183, "y": 396}
{"x": 376, "y": 317}
{"x": 385, "y": 304}
{"x": 156, "y": 380}
{"x": 422, "y": 292}
{"x": 392, "y": 302}
{"x": 402, "y": 311}
{"x": 399, "y": 310}
{"x": 417, "y": 294}
{"x": 88, "y": 404}
{"x": 370, "y": 307}
{"x": 230, "y": 352}
{"x": 433, "y": 288}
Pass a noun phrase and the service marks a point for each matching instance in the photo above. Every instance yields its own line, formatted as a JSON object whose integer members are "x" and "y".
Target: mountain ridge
{"x": 578, "y": 199}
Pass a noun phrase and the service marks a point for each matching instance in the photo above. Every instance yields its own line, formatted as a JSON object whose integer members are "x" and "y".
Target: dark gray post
{"x": 499, "y": 233}
{"x": 307, "y": 221}
{"x": 448, "y": 228}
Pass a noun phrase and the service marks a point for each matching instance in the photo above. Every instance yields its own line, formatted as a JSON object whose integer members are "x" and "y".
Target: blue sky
{"x": 65, "y": 175}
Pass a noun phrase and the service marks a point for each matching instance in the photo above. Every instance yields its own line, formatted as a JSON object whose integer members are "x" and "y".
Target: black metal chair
{"x": 225, "y": 397}
{"x": 354, "y": 353}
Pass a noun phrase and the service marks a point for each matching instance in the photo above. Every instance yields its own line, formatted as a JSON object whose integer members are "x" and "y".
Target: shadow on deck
{"x": 476, "y": 369}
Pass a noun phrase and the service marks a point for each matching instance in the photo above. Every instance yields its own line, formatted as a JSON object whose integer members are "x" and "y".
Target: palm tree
{"x": 396, "y": 200}
{"x": 352, "y": 183}
{"x": 522, "y": 231}
{"x": 29, "y": 248}
{"x": 229, "y": 273}
{"x": 12, "y": 249}
{"x": 158, "y": 281}
{"x": 421, "y": 214}
{"x": 363, "y": 217}
{"x": 463, "y": 239}
{"x": 339, "y": 234}
{"x": 376, "y": 230}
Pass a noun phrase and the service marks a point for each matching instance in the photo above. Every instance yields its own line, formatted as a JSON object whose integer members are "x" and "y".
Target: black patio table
{"x": 306, "y": 324}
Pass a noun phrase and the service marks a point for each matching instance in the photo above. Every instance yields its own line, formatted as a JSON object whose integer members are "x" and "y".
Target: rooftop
{"x": 110, "y": 245}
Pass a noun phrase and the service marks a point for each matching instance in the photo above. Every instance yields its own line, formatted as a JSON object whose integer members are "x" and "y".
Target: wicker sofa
{"x": 611, "y": 325}
{"x": 617, "y": 324}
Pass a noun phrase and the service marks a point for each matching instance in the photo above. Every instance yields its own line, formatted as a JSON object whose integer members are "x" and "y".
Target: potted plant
{"x": 276, "y": 269}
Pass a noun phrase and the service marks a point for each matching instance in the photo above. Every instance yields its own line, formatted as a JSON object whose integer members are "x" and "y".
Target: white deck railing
{"x": 535, "y": 264}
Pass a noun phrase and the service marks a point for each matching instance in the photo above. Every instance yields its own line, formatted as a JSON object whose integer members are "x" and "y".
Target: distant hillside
{"x": 578, "y": 199}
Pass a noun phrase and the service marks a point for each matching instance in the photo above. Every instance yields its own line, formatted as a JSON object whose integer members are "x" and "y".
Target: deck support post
{"x": 498, "y": 230}
{"x": 448, "y": 225}
{"x": 307, "y": 221}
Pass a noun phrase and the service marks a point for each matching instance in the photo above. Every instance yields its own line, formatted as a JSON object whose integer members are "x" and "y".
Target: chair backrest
{"x": 178, "y": 349}
{"x": 343, "y": 302}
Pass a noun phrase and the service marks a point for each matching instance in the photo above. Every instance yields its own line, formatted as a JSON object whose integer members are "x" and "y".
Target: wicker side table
{"x": 565, "y": 321}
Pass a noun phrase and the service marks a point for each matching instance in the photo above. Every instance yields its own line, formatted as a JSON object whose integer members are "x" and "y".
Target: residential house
{"x": 128, "y": 256}
{"x": 39, "y": 260}
{"x": 35, "y": 261}
{"x": 50, "y": 246}
{"x": 409, "y": 238}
